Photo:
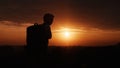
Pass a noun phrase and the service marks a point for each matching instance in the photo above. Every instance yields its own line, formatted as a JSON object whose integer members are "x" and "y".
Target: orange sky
{"x": 16, "y": 35}
{"x": 88, "y": 22}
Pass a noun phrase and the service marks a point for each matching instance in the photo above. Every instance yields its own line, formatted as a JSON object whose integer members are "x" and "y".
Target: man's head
{"x": 48, "y": 18}
{"x": 36, "y": 24}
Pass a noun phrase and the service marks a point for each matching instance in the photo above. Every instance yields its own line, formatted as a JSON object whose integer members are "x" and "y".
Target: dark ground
{"x": 62, "y": 57}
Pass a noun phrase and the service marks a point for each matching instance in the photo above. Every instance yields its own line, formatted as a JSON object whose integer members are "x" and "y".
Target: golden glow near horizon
{"x": 66, "y": 33}
{"x": 64, "y": 36}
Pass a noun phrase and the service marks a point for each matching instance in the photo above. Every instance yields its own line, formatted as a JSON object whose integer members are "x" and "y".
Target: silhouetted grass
{"x": 63, "y": 56}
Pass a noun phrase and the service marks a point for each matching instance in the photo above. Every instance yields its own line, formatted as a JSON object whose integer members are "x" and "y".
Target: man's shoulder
{"x": 29, "y": 27}
{"x": 40, "y": 26}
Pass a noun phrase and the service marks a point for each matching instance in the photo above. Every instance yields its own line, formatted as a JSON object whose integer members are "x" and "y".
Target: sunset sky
{"x": 77, "y": 22}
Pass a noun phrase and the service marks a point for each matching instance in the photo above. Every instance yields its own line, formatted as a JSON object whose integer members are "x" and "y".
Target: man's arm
{"x": 49, "y": 33}
{"x": 28, "y": 36}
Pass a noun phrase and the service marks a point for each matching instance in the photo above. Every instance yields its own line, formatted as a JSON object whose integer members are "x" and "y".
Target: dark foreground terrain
{"x": 62, "y": 57}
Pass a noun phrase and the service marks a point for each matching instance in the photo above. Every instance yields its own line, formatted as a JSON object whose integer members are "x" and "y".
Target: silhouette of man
{"x": 38, "y": 35}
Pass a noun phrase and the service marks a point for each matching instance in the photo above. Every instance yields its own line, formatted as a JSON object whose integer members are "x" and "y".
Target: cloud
{"x": 101, "y": 14}
{"x": 13, "y": 24}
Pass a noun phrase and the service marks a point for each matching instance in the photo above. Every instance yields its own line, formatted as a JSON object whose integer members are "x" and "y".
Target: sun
{"x": 67, "y": 34}
{"x": 64, "y": 34}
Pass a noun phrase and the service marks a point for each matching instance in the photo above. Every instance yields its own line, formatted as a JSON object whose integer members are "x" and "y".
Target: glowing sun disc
{"x": 67, "y": 34}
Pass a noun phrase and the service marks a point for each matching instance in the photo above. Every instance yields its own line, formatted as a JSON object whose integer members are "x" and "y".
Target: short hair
{"x": 48, "y": 15}
{"x": 36, "y": 24}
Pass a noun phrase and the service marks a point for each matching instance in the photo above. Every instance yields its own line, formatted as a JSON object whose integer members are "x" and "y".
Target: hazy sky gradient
{"x": 85, "y": 15}
{"x": 102, "y": 14}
